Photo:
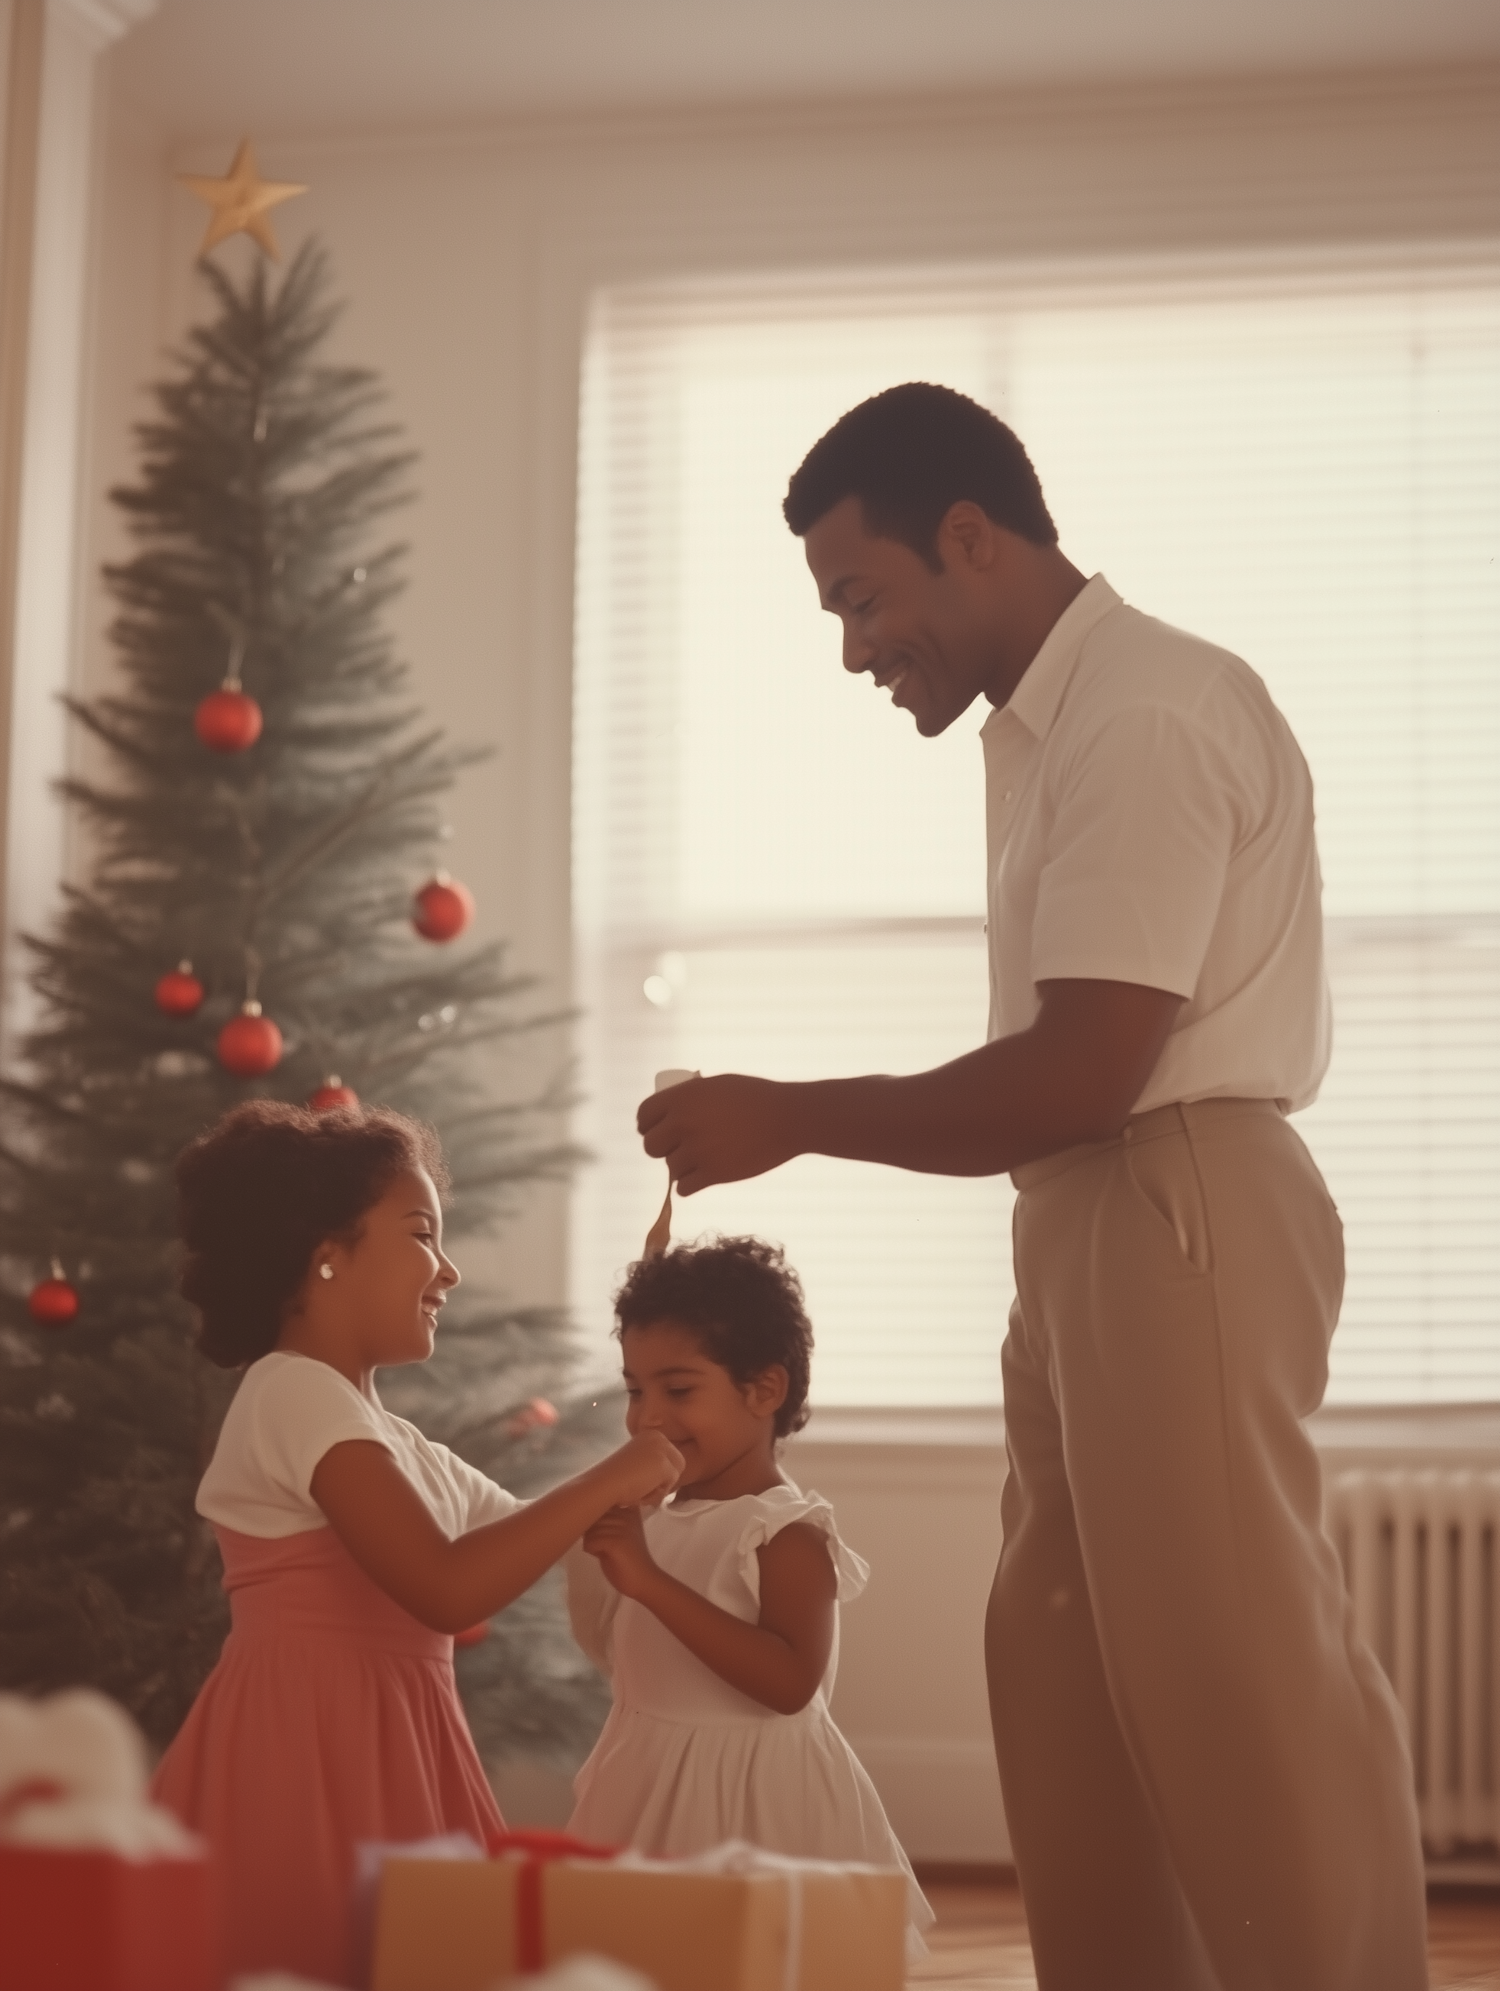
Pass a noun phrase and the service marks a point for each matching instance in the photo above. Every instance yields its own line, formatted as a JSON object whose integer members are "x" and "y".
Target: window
{"x": 772, "y": 873}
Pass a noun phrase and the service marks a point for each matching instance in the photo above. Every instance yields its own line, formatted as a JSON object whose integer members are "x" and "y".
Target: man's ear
{"x": 966, "y": 536}
{"x": 767, "y": 1392}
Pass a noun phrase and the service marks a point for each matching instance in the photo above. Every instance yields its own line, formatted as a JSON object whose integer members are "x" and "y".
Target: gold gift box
{"x": 452, "y": 1925}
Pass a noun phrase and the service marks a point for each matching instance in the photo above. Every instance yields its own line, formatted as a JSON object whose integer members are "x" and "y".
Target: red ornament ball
{"x": 475, "y": 1635}
{"x": 249, "y": 1044}
{"x": 442, "y": 909}
{"x": 54, "y": 1302}
{"x": 228, "y": 720}
{"x": 180, "y": 992}
{"x": 538, "y": 1415}
{"x": 332, "y": 1094}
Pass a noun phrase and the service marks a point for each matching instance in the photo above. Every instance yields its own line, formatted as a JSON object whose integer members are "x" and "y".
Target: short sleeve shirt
{"x": 291, "y": 1409}
{"x": 1150, "y": 820}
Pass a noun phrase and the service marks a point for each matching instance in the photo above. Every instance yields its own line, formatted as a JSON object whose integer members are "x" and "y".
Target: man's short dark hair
{"x": 909, "y": 455}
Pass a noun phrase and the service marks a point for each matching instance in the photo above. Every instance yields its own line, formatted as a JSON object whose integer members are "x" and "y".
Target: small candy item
{"x": 660, "y": 1234}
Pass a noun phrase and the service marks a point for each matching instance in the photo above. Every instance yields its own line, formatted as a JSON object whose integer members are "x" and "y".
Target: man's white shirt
{"x": 1150, "y": 820}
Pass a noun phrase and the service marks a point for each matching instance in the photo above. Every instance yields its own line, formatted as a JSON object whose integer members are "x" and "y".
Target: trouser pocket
{"x": 1164, "y": 1175}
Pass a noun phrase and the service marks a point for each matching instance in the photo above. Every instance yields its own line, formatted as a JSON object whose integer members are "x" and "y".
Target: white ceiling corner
{"x": 105, "y": 21}
{"x": 211, "y": 68}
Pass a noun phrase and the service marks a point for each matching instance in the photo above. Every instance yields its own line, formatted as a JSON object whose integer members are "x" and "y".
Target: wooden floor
{"x": 980, "y": 1943}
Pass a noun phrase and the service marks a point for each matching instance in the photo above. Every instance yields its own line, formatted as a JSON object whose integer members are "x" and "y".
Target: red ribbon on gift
{"x": 28, "y": 1791}
{"x": 536, "y": 1849}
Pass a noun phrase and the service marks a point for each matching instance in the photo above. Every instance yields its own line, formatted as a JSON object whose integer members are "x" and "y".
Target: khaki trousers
{"x": 1205, "y": 1773}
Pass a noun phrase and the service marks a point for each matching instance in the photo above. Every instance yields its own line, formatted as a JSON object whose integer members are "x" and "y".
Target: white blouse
{"x": 291, "y": 1409}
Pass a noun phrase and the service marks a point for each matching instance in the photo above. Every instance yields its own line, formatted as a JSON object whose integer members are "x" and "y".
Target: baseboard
{"x": 964, "y": 1873}
{"x": 942, "y": 1797}
{"x": 531, "y": 1794}
{"x": 1479, "y": 1877}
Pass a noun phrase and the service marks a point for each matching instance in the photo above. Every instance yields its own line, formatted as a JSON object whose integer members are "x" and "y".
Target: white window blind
{"x": 773, "y": 873}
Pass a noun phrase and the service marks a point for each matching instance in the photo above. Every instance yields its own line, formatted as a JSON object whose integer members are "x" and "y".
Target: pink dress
{"x": 332, "y": 1718}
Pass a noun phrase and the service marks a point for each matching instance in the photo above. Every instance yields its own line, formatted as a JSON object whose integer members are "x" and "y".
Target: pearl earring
{"x": 325, "y": 1271}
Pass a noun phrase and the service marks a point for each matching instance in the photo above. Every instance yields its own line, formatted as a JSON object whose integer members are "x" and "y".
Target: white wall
{"x": 48, "y": 188}
{"x": 923, "y": 1508}
{"x": 468, "y": 259}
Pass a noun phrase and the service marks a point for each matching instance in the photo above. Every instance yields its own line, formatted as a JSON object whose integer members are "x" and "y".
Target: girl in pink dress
{"x": 353, "y": 1548}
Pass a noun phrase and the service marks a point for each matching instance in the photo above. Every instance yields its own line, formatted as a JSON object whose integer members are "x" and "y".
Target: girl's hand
{"x": 643, "y": 1472}
{"x": 618, "y": 1540}
{"x": 779, "y": 1660}
{"x": 391, "y": 1533}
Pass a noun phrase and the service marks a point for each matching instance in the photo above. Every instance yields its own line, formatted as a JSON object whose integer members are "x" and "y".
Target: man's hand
{"x": 1073, "y": 1076}
{"x": 618, "y": 1540}
{"x": 719, "y": 1129}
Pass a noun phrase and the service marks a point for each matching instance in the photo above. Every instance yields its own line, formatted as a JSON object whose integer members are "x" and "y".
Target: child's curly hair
{"x": 741, "y": 1301}
{"x": 262, "y": 1189}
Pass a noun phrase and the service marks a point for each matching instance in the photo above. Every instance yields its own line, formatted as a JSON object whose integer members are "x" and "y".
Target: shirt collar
{"x": 1036, "y": 699}
{"x": 685, "y": 1507}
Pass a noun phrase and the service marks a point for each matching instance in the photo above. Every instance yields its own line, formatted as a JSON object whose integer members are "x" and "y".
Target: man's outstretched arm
{"x": 1075, "y": 1075}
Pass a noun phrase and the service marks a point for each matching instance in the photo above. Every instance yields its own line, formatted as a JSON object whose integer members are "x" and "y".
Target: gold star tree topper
{"x": 241, "y": 201}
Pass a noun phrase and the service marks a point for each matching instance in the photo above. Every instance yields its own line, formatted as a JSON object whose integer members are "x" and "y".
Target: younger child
{"x": 353, "y": 1548}
{"x": 716, "y": 1617}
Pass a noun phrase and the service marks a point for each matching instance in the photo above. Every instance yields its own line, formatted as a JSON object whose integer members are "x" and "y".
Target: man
{"x": 1204, "y": 1772}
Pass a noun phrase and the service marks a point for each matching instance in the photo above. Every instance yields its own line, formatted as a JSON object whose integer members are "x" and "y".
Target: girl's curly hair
{"x": 262, "y": 1189}
{"x": 742, "y": 1303}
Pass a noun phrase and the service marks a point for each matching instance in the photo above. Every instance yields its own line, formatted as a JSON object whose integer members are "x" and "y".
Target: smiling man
{"x": 1204, "y": 1772}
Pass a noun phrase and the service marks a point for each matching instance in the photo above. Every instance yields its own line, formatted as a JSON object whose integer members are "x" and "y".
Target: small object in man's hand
{"x": 660, "y": 1234}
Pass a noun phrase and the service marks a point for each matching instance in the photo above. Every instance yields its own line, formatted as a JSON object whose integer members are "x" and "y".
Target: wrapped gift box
{"x": 88, "y": 1920}
{"x": 99, "y": 1889}
{"x": 735, "y": 1920}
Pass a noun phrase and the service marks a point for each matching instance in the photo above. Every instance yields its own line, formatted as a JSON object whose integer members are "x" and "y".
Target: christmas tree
{"x": 249, "y": 928}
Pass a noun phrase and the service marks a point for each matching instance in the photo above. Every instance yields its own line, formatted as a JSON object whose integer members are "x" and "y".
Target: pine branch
{"x": 259, "y": 518}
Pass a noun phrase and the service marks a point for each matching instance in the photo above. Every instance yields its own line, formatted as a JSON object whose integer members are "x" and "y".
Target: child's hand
{"x": 643, "y": 1471}
{"x": 618, "y": 1540}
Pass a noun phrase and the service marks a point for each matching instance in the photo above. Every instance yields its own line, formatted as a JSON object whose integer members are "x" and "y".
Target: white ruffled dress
{"x": 686, "y": 1761}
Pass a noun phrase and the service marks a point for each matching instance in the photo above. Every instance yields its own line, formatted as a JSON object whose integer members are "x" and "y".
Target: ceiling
{"x": 209, "y": 68}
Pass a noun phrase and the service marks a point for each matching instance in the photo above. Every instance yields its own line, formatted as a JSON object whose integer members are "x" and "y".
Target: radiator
{"x": 1421, "y": 1556}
